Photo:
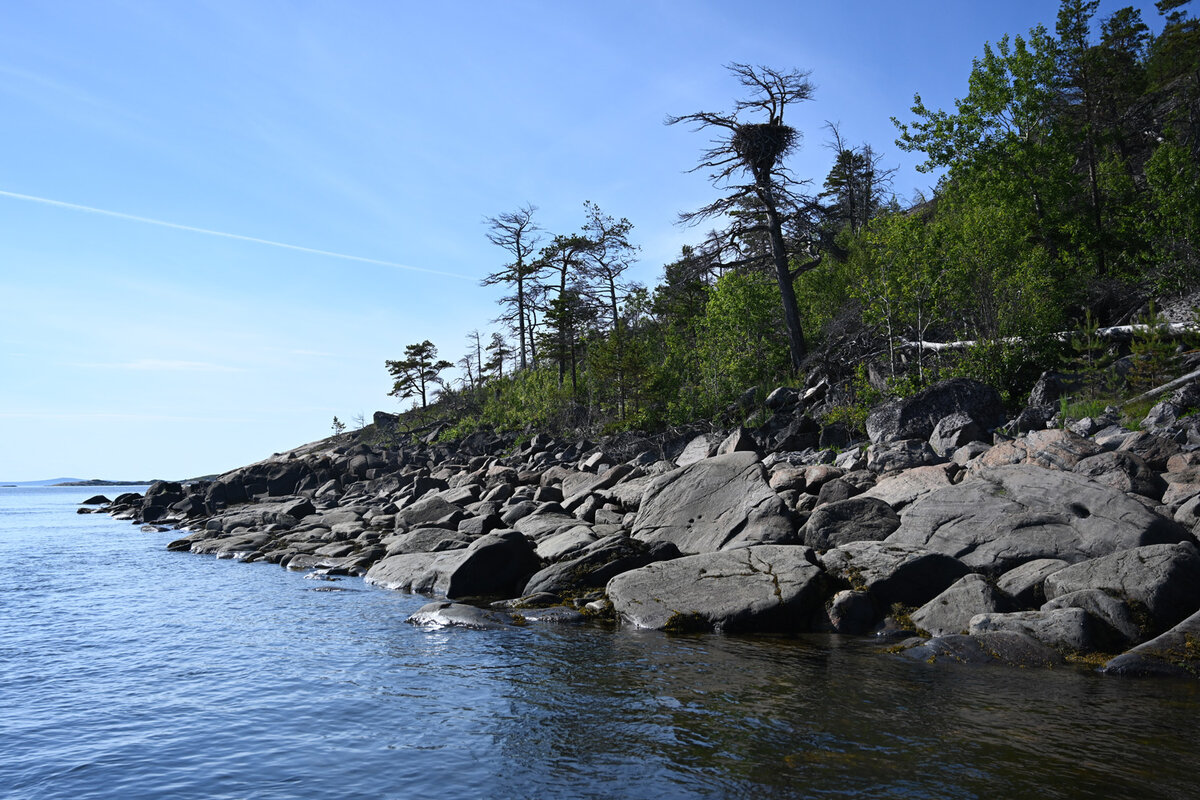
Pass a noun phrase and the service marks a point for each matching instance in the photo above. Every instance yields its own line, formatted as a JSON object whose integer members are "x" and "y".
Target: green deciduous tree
{"x": 742, "y": 340}
{"x": 1173, "y": 217}
{"x": 901, "y": 281}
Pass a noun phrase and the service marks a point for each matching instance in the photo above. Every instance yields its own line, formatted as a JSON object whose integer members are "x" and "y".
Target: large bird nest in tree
{"x": 762, "y": 145}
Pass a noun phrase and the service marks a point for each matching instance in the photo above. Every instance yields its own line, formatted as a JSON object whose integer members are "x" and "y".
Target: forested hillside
{"x": 1069, "y": 200}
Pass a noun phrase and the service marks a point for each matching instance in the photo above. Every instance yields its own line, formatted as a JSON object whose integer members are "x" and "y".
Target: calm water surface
{"x": 129, "y": 672}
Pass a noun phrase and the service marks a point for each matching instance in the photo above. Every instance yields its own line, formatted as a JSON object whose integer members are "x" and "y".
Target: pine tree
{"x": 418, "y": 372}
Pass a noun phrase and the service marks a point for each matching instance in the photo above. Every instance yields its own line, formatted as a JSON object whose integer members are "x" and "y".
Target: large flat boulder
{"x": 1155, "y": 450}
{"x": 896, "y": 455}
{"x": 763, "y": 588}
{"x": 426, "y": 540}
{"x": 286, "y": 512}
{"x": 577, "y": 484}
{"x": 698, "y": 449}
{"x": 1005, "y": 516}
{"x": 1052, "y": 449}
{"x": 1025, "y": 584}
{"x": 432, "y": 511}
{"x": 901, "y": 489}
{"x": 565, "y": 544}
{"x": 233, "y": 546}
{"x": 1125, "y": 472}
{"x": 1161, "y": 580}
{"x": 545, "y": 522}
{"x": 1113, "y": 612}
{"x": 951, "y": 611}
{"x": 715, "y": 504}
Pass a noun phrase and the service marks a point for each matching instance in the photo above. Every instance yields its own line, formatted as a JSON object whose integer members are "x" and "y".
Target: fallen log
{"x": 1118, "y": 333}
{"x": 1166, "y": 387}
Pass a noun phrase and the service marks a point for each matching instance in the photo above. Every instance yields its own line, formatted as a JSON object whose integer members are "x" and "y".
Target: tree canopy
{"x": 1069, "y": 196}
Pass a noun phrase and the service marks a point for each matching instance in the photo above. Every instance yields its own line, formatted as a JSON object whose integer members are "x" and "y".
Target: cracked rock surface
{"x": 764, "y": 588}
{"x": 1005, "y": 516}
{"x": 718, "y": 503}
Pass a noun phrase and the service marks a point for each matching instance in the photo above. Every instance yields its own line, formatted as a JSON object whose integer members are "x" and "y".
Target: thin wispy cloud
{"x": 226, "y": 234}
{"x": 170, "y": 365}
{"x": 102, "y": 416}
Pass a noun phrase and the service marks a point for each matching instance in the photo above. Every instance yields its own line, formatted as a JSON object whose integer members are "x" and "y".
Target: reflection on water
{"x": 832, "y": 715}
{"x": 132, "y": 672}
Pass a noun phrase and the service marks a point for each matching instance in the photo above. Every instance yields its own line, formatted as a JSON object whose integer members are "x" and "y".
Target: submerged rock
{"x": 459, "y": 615}
{"x": 1002, "y": 647}
{"x": 1071, "y": 630}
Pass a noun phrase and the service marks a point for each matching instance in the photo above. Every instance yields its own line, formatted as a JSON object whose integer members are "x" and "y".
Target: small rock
{"x": 952, "y": 610}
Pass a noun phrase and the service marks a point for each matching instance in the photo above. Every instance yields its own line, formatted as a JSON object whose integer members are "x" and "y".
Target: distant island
{"x": 98, "y": 482}
{"x": 72, "y": 482}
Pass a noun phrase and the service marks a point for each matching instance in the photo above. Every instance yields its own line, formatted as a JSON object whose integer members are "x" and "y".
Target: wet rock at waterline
{"x": 460, "y": 615}
{"x": 1010, "y": 648}
{"x": 1175, "y": 653}
{"x": 495, "y": 564}
{"x": 951, "y": 611}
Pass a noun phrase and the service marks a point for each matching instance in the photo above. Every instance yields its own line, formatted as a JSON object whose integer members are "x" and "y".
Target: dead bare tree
{"x": 746, "y": 161}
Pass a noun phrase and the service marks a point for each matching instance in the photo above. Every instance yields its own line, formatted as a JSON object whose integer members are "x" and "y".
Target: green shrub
{"x": 1011, "y": 366}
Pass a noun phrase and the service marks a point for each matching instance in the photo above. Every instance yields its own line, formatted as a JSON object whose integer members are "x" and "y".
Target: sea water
{"x": 127, "y": 671}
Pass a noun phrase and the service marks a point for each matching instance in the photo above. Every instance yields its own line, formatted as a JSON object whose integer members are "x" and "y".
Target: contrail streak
{"x": 225, "y": 235}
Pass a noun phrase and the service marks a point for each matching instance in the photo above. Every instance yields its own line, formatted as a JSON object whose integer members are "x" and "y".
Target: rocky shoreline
{"x": 951, "y": 534}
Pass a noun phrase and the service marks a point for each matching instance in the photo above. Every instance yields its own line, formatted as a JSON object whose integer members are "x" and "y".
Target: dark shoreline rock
{"x": 1040, "y": 549}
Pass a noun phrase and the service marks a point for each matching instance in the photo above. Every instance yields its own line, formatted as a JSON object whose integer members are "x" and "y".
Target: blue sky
{"x": 387, "y": 131}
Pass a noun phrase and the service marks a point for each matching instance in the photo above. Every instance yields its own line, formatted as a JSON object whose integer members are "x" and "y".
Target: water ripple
{"x": 132, "y": 672}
